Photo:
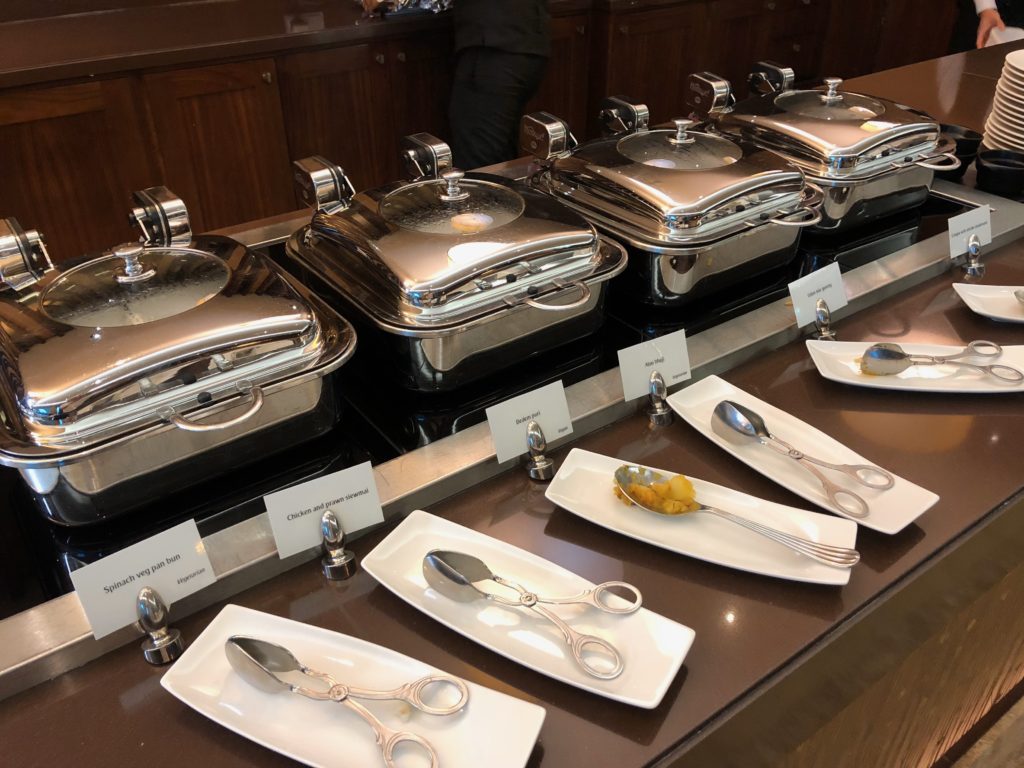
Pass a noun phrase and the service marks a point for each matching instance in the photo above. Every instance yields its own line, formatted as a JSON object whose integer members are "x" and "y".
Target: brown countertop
{"x": 965, "y": 448}
{"x": 955, "y": 89}
{"x": 111, "y": 41}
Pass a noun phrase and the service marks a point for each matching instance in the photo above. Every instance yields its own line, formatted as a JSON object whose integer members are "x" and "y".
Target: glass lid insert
{"x": 817, "y": 104}
{"x": 662, "y": 149}
{"x": 481, "y": 206}
{"x": 141, "y": 287}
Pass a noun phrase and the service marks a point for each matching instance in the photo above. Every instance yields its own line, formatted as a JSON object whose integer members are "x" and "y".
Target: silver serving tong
{"x": 263, "y": 664}
{"x": 748, "y": 423}
{"x": 888, "y": 359}
{"x": 827, "y": 554}
{"x": 456, "y": 575}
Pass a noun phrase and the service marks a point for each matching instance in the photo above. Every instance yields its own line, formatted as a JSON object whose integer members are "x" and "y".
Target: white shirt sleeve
{"x": 984, "y": 5}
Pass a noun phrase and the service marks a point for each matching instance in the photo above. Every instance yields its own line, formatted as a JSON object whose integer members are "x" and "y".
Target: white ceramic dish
{"x": 837, "y": 360}
{"x": 995, "y": 301}
{"x": 320, "y": 733}
{"x": 891, "y": 510}
{"x": 652, "y": 646}
{"x": 583, "y": 486}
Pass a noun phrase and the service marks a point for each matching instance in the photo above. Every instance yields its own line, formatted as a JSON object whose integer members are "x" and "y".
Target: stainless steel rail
{"x": 43, "y": 642}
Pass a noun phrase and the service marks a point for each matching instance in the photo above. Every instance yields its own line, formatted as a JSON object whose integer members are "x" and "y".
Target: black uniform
{"x": 501, "y": 49}
{"x": 1011, "y": 12}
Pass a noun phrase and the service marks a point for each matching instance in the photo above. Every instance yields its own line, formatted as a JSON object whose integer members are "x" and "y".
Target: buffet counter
{"x": 890, "y": 669}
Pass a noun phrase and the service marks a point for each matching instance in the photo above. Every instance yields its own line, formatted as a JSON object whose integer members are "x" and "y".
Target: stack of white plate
{"x": 1004, "y": 128}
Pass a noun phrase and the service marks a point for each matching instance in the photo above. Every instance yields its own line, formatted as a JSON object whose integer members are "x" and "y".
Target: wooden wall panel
{"x": 70, "y": 157}
{"x": 336, "y": 104}
{"x": 222, "y": 138}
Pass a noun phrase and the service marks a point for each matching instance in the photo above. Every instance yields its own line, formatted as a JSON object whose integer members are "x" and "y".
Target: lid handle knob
{"x": 832, "y": 96}
{"x": 134, "y": 271}
{"x": 682, "y": 126}
{"x": 452, "y": 178}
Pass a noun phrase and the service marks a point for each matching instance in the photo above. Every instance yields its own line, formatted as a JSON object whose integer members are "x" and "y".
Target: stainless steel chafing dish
{"x": 870, "y": 156}
{"x": 459, "y": 276}
{"x": 699, "y": 212}
{"x": 156, "y": 365}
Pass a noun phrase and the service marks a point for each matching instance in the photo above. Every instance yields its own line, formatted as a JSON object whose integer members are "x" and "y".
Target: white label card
{"x": 295, "y": 512}
{"x": 977, "y": 222}
{"x": 174, "y": 563}
{"x": 547, "y": 406}
{"x": 825, "y": 283}
{"x": 667, "y": 355}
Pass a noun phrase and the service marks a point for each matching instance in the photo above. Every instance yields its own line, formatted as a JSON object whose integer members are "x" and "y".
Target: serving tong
{"x": 263, "y": 664}
{"x": 888, "y": 359}
{"x": 456, "y": 576}
{"x": 750, "y": 424}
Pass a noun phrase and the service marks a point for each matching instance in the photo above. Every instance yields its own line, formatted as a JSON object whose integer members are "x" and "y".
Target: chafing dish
{"x": 698, "y": 212}
{"x": 155, "y": 365}
{"x": 870, "y": 156}
{"x": 458, "y": 276}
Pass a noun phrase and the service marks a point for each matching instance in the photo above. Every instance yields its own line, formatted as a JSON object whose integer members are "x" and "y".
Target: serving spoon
{"x": 828, "y": 554}
{"x": 888, "y": 359}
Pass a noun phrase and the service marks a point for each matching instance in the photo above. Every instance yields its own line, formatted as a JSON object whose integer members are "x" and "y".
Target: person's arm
{"x": 988, "y": 19}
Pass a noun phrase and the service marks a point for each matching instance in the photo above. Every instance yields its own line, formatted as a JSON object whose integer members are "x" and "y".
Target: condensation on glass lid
{"x": 658, "y": 149}
{"x": 851, "y": 106}
{"x": 420, "y": 207}
{"x": 91, "y": 295}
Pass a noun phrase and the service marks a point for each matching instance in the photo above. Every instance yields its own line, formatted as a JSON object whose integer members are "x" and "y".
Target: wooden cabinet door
{"x": 70, "y": 157}
{"x": 337, "y": 104}
{"x": 563, "y": 92}
{"x": 421, "y": 70}
{"x": 795, "y": 37}
{"x": 650, "y": 53}
{"x": 913, "y": 31}
{"x": 222, "y": 140}
{"x": 741, "y": 30}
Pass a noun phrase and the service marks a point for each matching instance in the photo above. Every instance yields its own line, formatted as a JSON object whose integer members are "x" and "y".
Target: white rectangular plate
{"x": 891, "y": 510}
{"x": 652, "y": 647}
{"x": 584, "y": 484}
{"x": 838, "y": 361}
{"x": 995, "y": 301}
{"x": 322, "y": 733}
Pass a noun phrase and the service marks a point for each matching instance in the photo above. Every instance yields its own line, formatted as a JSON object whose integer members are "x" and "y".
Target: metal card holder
{"x": 164, "y": 644}
{"x": 659, "y": 413}
{"x": 321, "y": 184}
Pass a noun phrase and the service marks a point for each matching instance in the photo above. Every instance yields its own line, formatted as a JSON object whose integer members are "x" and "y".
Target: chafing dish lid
{"x": 831, "y": 132}
{"x": 695, "y": 152}
{"x": 674, "y": 185}
{"x": 438, "y": 250}
{"x": 426, "y": 207}
{"x": 104, "y": 345}
{"x": 101, "y": 294}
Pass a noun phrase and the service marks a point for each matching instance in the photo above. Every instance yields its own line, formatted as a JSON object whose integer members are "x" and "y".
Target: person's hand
{"x": 988, "y": 20}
